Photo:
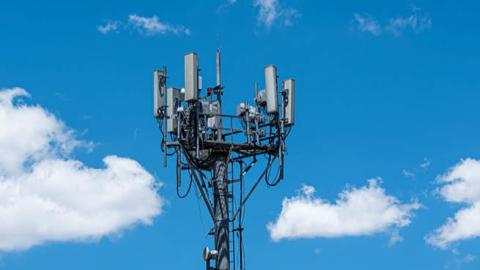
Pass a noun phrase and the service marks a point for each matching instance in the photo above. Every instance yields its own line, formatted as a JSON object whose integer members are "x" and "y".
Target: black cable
{"x": 195, "y": 166}
{"x": 267, "y": 175}
{"x": 182, "y": 196}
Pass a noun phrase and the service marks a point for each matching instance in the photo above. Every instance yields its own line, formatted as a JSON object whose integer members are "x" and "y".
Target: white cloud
{"x": 288, "y": 15}
{"x": 461, "y": 184}
{"x": 426, "y": 163}
{"x": 226, "y": 4}
{"x": 417, "y": 21}
{"x": 29, "y": 133}
{"x": 395, "y": 238}
{"x": 152, "y": 26}
{"x": 357, "y": 211}
{"x": 408, "y": 173}
{"x": 46, "y": 196}
{"x": 460, "y": 260}
{"x": 367, "y": 24}
{"x": 270, "y": 11}
{"x": 111, "y": 26}
{"x": 422, "y": 167}
{"x": 148, "y": 26}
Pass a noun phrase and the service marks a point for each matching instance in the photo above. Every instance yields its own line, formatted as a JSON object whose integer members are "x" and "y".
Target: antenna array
{"x": 216, "y": 150}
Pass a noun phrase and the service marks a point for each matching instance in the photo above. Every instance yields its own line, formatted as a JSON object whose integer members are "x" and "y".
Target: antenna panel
{"x": 158, "y": 92}
{"x": 173, "y": 100}
{"x": 289, "y": 87}
{"x": 191, "y": 77}
{"x": 271, "y": 89}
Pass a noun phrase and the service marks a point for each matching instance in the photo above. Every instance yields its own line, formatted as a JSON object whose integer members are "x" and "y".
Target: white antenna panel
{"x": 191, "y": 77}
{"x": 289, "y": 87}
{"x": 158, "y": 92}
{"x": 173, "y": 100}
{"x": 271, "y": 89}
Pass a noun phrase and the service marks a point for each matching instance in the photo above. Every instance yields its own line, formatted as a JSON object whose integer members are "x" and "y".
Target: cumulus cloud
{"x": 270, "y": 11}
{"x": 418, "y": 21}
{"x": 47, "y": 196}
{"x": 367, "y": 24}
{"x": 461, "y": 184}
{"x": 148, "y": 26}
{"x": 357, "y": 211}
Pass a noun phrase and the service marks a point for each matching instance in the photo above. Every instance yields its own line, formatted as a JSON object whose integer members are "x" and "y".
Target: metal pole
{"x": 220, "y": 191}
{"x": 197, "y": 129}
{"x": 219, "y": 97}
{"x": 218, "y": 68}
{"x": 240, "y": 225}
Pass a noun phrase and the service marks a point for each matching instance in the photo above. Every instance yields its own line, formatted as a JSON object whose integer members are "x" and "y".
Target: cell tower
{"x": 216, "y": 150}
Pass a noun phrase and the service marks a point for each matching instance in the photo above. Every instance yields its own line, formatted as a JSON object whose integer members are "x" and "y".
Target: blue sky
{"x": 382, "y": 88}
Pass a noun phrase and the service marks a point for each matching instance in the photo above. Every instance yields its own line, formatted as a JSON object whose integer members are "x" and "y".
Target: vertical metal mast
{"x": 218, "y": 68}
{"x": 209, "y": 145}
{"x": 220, "y": 191}
{"x": 220, "y": 195}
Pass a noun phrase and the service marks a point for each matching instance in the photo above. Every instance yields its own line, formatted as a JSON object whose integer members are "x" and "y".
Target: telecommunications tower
{"x": 215, "y": 150}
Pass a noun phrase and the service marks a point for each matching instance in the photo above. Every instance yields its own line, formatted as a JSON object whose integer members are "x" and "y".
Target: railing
{"x": 223, "y": 128}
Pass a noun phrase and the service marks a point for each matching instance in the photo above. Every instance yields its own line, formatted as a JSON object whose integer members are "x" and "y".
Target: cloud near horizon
{"x": 356, "y": 212}
{"x": 47, "y": 196}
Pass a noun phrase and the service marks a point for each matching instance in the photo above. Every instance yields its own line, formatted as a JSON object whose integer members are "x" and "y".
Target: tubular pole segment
{"x": 220, "y": 191}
